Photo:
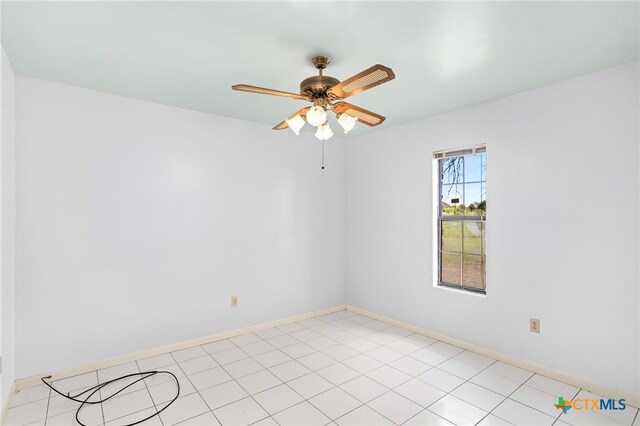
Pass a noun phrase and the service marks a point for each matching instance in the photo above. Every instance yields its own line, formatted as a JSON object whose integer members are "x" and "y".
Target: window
{"x": 462, "y": 210}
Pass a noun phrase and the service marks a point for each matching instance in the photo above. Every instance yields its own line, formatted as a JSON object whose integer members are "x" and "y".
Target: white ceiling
{"x": 446, "y": 55}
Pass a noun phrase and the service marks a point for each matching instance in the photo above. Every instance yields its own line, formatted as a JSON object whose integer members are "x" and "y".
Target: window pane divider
{"x": 459, "y": 218}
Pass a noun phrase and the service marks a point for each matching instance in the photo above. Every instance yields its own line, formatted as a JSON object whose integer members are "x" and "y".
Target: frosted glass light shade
{"x": 324, "y": 132}
{"x": 347, "y": 121}
{"x": 295, "y": 123}
{"x": 316, "y": 116}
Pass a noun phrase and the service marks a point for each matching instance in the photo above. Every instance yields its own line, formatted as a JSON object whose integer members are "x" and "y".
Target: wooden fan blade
{"x": 365, "y": 80}
{"x": 364, "y": 116}
{"x": 283, "y": 124}
{"x": 263, "y": 91}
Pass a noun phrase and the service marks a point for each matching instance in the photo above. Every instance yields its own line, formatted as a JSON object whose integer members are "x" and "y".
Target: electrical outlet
{"x": 534, "y": 325}
{"x": 234, "y": 301}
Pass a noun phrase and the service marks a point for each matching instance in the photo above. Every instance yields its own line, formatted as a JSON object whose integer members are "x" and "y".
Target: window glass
{"x": 461, "y": 221}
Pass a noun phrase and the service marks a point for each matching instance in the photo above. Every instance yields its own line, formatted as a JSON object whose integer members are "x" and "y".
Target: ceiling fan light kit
{"x": 295, "y": 123}
{"x": 348, "y": 122}
{"x": 317, "y": 116}
{"x": 323, "y": 92}
{"x": 324, "y": 132}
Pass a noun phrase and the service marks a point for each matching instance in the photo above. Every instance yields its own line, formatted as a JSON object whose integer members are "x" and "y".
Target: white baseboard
{"x": 632, "y": 400}
{"x": 7, "y": 403}
{"x": 62, "y": 374}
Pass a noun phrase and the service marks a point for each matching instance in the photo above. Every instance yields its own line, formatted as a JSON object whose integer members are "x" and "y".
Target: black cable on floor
{"x": 94, "y": 389}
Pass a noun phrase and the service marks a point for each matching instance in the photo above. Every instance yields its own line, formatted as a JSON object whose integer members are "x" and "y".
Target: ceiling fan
{"x": 326, "y": 93}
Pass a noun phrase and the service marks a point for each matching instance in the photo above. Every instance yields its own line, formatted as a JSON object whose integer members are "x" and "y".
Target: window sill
{"x": 461, "y": 290}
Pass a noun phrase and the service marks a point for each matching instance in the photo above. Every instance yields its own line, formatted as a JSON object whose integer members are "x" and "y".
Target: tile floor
{"x": 341, "y": 368}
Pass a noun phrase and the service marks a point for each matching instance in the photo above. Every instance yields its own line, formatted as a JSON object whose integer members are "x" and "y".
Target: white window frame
{"x": 437, "y": 156}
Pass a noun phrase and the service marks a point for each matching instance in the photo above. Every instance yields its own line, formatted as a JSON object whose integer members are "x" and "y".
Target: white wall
{"x": 136, "y": 216}
{"x": 138, "y": 222}
{"x": 7, "y": 224}
{"x": 562, "y": 227}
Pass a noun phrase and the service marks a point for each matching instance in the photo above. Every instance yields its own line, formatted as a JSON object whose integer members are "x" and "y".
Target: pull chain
{"x": 322, "y": 155}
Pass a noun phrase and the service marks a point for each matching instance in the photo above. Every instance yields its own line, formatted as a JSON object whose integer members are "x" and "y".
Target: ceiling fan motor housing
{"x": 317, "y": 86}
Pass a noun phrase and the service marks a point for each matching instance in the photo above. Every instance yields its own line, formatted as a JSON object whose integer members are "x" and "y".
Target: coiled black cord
{"x": 92, "y": 391}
